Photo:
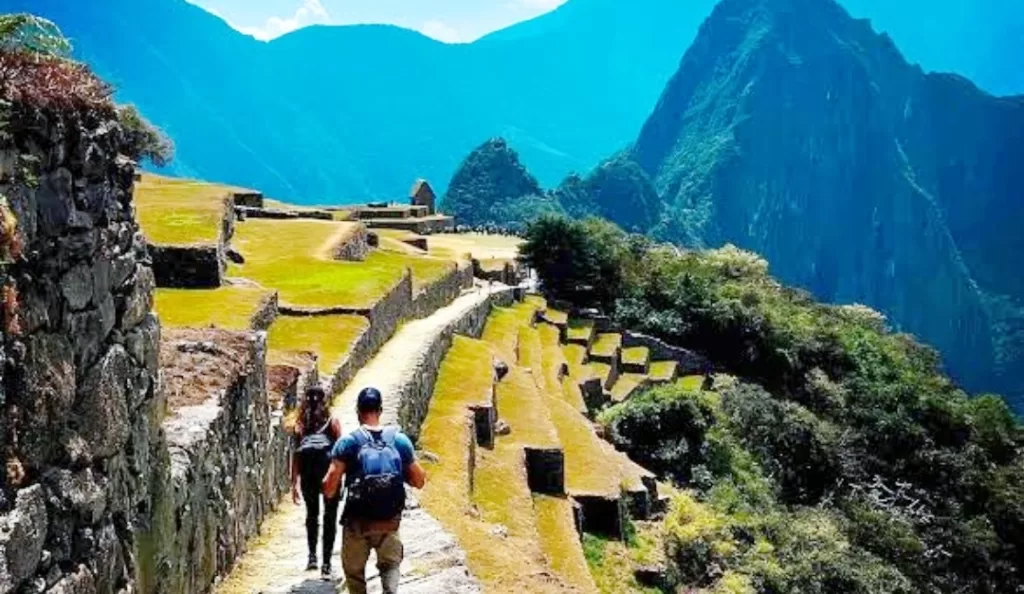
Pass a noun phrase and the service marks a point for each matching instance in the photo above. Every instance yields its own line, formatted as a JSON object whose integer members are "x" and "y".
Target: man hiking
{"x": 376, "y": 462}
{"x": 315, "y": 435}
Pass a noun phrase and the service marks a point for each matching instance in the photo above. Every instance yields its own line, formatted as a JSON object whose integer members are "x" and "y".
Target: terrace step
{"x": 628, "y": 384}
{"x": 580, "y": 332}
{"x": 636, "y": 360}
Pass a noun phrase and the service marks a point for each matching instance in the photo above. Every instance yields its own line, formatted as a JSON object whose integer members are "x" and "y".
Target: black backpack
{"x": 315, "y": 453}
{"x": 376, "y": 489}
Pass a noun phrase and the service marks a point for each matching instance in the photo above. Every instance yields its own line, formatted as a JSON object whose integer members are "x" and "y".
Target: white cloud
{"x": 441, "y": 32}
{"x": 312, "y": 12}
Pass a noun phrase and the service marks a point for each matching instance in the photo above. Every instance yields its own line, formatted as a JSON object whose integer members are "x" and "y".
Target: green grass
{"x": 626, "y": 385}
{"x": 557, "y": 530}
{"x": 556, "y": 317}
{"x": 229, "y": 308}
{"x": 663, "y": 371}
{"x": 611, "y": 565}
{"x": 691, "y": 382}
{"x": 180, "y": 211}
{"x": 502, "y": 328}
{"x": 600, "y": 370}
{"x": 606, "y": 345}
{"x": 293, "y": 257}
{"x": 330, "y": 337}
{"x": 636, "y": 355}
{"x": 580, "y": 330}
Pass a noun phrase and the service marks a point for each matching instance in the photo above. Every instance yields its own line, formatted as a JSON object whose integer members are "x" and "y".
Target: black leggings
{"x": 311, "y": 495}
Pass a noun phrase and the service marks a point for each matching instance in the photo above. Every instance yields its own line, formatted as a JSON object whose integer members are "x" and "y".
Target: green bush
{"x": 144, "y": 140}
{"x": 843, "y": 461}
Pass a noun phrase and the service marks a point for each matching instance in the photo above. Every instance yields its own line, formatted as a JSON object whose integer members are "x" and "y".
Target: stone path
{"x": 433, "y": 561}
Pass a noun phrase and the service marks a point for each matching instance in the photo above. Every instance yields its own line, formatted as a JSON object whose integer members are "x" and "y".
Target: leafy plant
{"x": 36, "y": 35}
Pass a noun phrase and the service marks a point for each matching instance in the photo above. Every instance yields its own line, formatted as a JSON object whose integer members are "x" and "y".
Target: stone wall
{"x": 248, "y": 212}
{"x": 79, "y": 355}
{"x": 416, "y": 393}
{"x": 266, "y": 312}
{"x": 247, "y": 199}
{"x": 354, "y": 248}
{"x": 690, "y": 363}
{"x": 187, "y": 267}
{"x": 199, "y": 266}
{"x": 443, "y": 291}
{"x": 228, "y": 457}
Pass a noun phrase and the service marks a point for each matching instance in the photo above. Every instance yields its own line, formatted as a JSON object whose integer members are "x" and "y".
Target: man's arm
{"x": 332, "y": 482}
{"x": 415, "y": 475}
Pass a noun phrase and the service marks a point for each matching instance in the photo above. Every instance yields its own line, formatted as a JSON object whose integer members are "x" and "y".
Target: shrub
{"x": 143, "y": 139}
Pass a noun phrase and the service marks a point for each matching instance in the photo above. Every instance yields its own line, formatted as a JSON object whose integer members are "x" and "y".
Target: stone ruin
{"x": 112, "y": 482}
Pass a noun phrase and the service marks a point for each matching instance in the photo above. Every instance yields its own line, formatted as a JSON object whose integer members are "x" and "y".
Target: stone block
{"x": 22, "y": 537}
{"x": 484, "y": 418}
{"x": 602, "y": 515}
{"x": 247, "y": 199}
{"x": 594, "y": 395}
{"x": 187, "y": 267}
{"x": 545, "y": 470}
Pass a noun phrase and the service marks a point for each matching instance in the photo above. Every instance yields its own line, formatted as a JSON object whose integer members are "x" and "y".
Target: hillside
{"x": 378, "y": 106}
{"x": 801, "y": 134}
{"x": 797, "y": 132}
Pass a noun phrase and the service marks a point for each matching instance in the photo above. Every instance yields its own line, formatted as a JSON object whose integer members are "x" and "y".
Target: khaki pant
{"x": 356, "y": 544}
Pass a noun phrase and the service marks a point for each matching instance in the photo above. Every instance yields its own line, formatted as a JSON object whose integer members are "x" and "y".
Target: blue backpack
{"x": 376, "y": 487}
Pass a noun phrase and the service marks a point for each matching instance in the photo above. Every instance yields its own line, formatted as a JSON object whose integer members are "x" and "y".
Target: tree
{"x": 32, "y": 34}
{"x": 144, "y": 140}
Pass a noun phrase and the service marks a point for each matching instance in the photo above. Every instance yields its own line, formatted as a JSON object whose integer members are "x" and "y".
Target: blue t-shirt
{"x": 346, "y": 449}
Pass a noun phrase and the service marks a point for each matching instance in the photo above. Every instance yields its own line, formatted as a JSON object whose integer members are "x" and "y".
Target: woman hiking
{"x": 315, "y": 433}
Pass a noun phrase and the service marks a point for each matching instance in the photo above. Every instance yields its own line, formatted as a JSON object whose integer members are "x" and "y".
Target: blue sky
{"x": 447, "y": 20}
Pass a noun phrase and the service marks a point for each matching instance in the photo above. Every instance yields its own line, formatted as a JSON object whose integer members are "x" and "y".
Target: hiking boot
{"x": 325, "y": 571}
{"x": 312, "y": 564}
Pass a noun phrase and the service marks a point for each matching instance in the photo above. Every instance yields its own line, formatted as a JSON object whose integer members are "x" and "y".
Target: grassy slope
{"x": 625, "y": 385}
{"x": 294, "y": 258}
{"x": 606, "y": 345}
{"x": 636, "y": 355}
{"x": 331, "y": 337}
{"x": 178, "y": 211}
{"x": 230, "y": 308}
{"x": 515, "y": 563}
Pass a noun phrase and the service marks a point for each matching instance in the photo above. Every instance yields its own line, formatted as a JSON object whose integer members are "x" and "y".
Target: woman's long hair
{"x": 313, "y": 413}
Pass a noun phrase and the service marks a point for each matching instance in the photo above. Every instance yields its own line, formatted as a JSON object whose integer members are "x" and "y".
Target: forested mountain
{"x": 798, "y": 132}
{"x": 340, "y": 114}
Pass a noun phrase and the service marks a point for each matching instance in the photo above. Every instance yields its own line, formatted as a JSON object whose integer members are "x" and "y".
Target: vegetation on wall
{"x": 844, "y": 460}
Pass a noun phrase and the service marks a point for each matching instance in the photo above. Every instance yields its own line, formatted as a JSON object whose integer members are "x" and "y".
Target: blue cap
{"x": 370, "y": 400}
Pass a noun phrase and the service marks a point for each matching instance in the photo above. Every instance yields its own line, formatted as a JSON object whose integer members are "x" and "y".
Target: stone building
{"x": 422, "y": 194}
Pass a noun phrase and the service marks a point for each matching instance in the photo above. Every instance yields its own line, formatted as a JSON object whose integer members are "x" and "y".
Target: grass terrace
{"x": 294, "y": 257}
{"x": 606, "y": 345}
{"x": 691, "y": 383}
{"x": 663, "y": 371}
{"x": 626, "y": 385}
{"x": 556, "y": 317}
{"x": 492, "y": 250}
{"x": 517, "y": 562}
{"x": 612, "y": 562}
{"x": 228, "y": 308}
{"x": 557, "y": 527}
{"x": 330, "y": 337}
{"x": 580, "y": 330}
{"x": 636, "y": 355}
{"x": 600, "y": 370}
{"x": 502, "y": 328}
{"x": 180, "y": 211}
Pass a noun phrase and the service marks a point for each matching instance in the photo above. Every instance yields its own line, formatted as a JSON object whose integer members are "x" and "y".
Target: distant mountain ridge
{"x": 798, "y": 132}
{"x": 341, "y": 114}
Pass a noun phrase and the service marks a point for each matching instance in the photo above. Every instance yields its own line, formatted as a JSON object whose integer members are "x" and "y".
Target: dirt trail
{"x": 433, "y": 561}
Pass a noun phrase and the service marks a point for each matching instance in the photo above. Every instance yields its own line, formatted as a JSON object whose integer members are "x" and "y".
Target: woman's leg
{"x": 330, "y": 526}
{"x": 311, "y": 495}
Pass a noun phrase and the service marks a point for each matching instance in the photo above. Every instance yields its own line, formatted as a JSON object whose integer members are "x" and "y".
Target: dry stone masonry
{"x": 79, "y": 356}
{"x": 117, "y": 478}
